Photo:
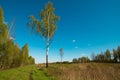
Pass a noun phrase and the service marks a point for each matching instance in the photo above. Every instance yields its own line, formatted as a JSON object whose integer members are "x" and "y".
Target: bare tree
{"x": 61, "y": 53}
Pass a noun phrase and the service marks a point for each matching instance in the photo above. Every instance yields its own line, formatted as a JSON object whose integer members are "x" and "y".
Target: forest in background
{"x": 11, "y": 55}
{"x": 103, "y": 57}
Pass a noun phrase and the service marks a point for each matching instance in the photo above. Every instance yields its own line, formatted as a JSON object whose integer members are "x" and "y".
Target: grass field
{"x": 82, "y": 71}
{"x": 23, "y": 73}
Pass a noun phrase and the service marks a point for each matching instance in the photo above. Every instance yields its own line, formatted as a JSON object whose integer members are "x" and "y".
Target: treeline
{"x": 103, "y": 57}
{"x": 10, "y": 54}
{"x": 81, "y": 60}
{"x": 107, "y": 56}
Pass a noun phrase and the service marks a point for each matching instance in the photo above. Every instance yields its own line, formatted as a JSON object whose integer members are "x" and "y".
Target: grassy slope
{"x": 23, "y": 73}
{"x": 88, "y": 71}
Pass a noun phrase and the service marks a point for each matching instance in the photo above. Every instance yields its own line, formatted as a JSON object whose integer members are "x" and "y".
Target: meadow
{"x": 81, "y": 71}
{"x": 23, "y": 73}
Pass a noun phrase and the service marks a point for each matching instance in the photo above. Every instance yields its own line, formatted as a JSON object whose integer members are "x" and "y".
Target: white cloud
{"x": 89, "y": 44}
{"x": 76, "y": 47}
{"x": 73, "y": 41}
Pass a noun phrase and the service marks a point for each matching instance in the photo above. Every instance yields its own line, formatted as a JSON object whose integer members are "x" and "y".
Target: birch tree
{"x": 46, "y": 26}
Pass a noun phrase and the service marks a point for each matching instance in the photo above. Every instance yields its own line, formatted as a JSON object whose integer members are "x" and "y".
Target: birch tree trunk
{"x": 47, "y": 50}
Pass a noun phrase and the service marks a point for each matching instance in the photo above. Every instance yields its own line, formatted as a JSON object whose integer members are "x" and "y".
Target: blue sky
{"x": 85, "y": 26}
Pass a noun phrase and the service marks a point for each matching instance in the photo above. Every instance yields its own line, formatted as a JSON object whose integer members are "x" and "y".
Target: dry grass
{"x": 84, "y": 71}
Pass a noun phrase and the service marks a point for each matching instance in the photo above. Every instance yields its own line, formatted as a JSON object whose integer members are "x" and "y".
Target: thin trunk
{"x": 61, "y": 59}
{"x": 47, "y": 47}
{"x": 47, "y": 50}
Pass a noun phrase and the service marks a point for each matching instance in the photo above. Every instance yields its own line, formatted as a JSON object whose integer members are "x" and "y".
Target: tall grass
{"x": 84, "y": 71}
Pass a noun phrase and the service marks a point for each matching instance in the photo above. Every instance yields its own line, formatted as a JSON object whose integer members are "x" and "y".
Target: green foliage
{"x": 46, "y": 26}
{"x": 84, "y": 60}
{"x": 106, "y": 57}
{"x": 3, "y": 29}
{"x": 115, "y": 55}
{"x": 81, "y": 60}
{"x": 47, "y": 23}
{"x": 1, "y": 15}
{"x": 118, "y": 52}
{"x": 100, "y": 58}
{"x": 24, "y": 54}
{"x": 31, "y": 60}
{"x": 10, "y": 54}
{"x": 75, "y": 60}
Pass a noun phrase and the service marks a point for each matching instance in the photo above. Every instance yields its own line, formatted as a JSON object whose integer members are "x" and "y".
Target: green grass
{"x": 82, "y": 71}
{"x": 23, "y": 73}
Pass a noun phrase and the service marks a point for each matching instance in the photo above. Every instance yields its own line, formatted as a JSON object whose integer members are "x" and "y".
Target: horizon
{"x": 84, "y": 27}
